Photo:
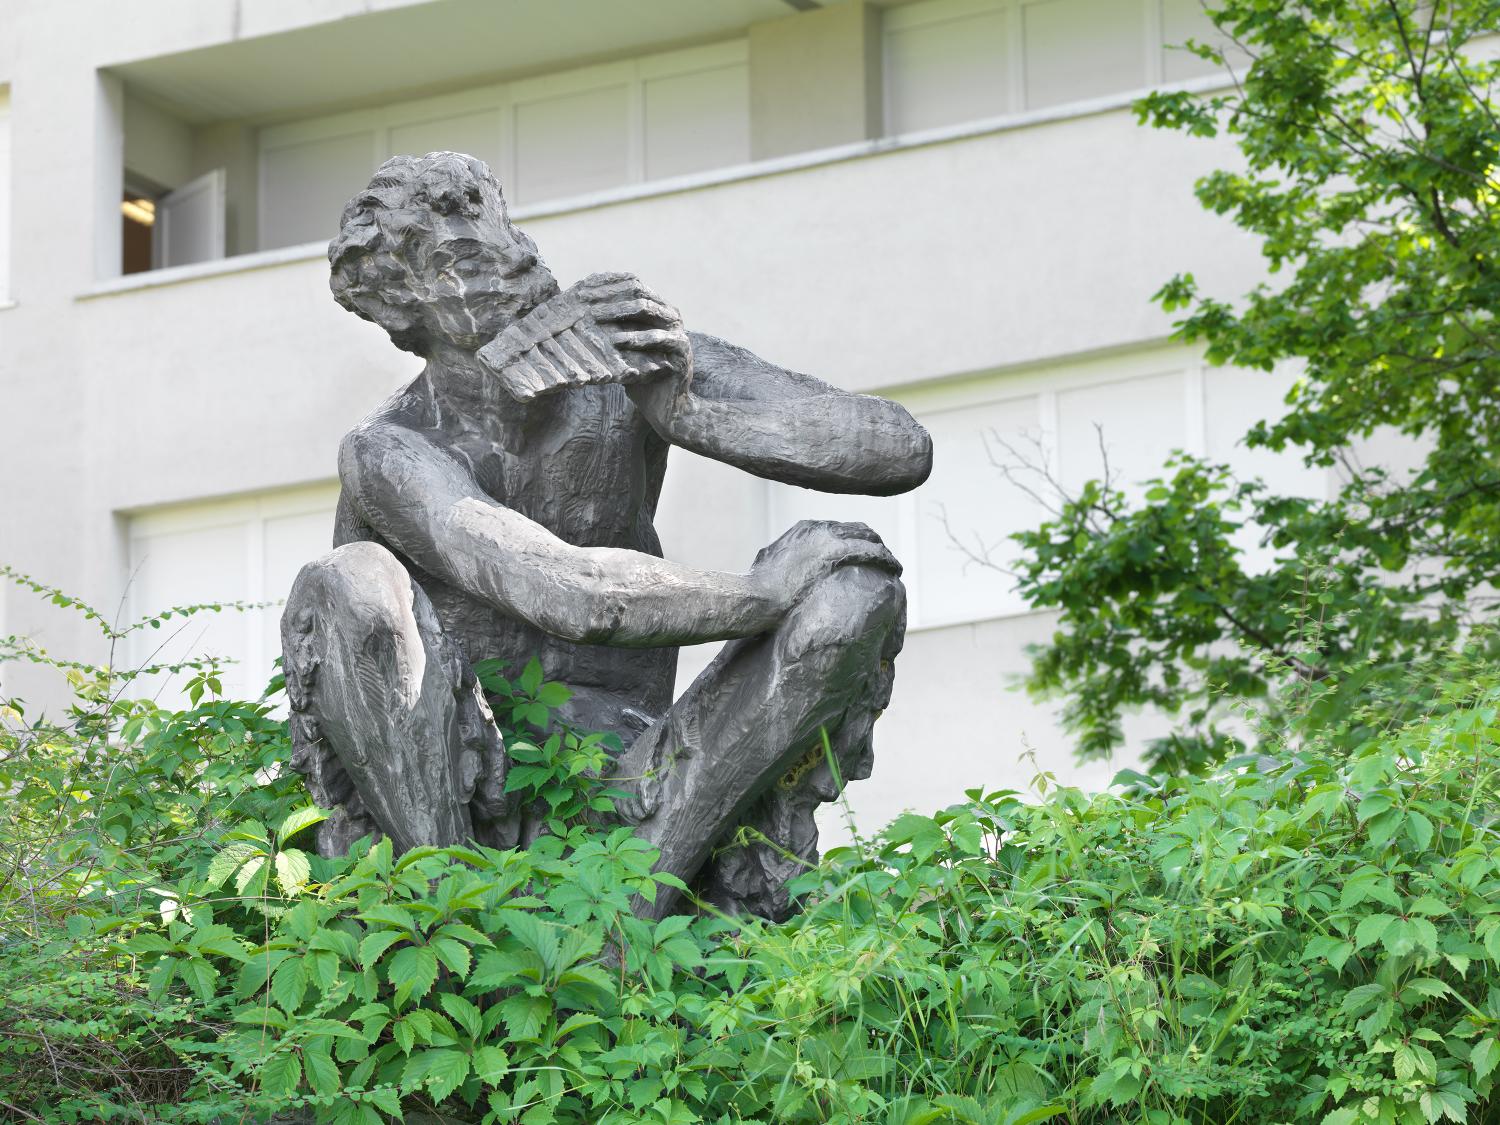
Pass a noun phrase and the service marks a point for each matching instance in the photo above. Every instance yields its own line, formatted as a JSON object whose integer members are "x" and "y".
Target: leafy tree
{"x": 1369, "y": 139}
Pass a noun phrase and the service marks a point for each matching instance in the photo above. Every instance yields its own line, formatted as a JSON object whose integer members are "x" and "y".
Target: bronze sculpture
{"x": 501, "y": 505}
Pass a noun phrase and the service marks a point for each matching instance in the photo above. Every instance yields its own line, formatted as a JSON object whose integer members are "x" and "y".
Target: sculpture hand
{"x": 813, "y": 549}
{"x": 645, "y": 330}
{"x": 609, "y": 328}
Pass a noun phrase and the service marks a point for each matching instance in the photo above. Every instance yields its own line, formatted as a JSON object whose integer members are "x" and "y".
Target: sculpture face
{"x": 477, "y": 275}
{"x": 427, "y": 252}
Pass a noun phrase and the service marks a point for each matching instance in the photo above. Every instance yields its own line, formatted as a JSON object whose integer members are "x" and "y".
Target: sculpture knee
{"x": 357, "y": 597}
{"x": 356, "y": 579}
{"x": 854, "y": 605}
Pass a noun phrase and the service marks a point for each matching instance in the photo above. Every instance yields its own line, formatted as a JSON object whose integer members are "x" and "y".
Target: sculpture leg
{"x": 743, "y": 746}
{"x": 387, "y": 721}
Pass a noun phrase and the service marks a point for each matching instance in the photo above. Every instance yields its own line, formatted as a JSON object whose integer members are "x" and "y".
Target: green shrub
{"x": 1313, "y": 937}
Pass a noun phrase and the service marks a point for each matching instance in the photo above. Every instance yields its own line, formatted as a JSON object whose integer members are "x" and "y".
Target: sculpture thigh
{"x": 743, "y": 747}
{"x": 388, "y": 722}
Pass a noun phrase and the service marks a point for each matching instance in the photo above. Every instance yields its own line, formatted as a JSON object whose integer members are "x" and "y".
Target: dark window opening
{"x": 137, "y": 218}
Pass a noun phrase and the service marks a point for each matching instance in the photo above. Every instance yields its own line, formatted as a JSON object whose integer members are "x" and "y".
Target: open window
{"x": 137, "y": 227}
{"x": 172, "y": 228}
{"x": 190, "y": 222}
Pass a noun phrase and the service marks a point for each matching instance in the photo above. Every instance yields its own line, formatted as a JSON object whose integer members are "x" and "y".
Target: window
{"x": 173, "y": 211}
{"x": 952, "y": 61}
{"x": 172, "y": 228}
{"x": 570, "y": 143}
{"x": 947, "y": 61}
{"x": 190, "y": 222}
{"x": 137, "y": 219}
{"x": 1080, "y": 49}
{"x": 247, "y": 550}
{"x": 545, "y": 138}
{"x": 304, "y": 185}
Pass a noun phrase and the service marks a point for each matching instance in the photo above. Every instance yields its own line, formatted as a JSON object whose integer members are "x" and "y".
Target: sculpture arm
{"x": 786, "y": 426}
{"x": 428, "y": 507}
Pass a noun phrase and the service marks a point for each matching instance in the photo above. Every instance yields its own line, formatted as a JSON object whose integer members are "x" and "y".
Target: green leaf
{"x": 376, "y": 943}
{"x": 531, "y": 677}
{"x": 200, "y": 976}
{"x": 445, "y": 1070}
{"x": 1322, "y": 800}
{"x": 490, "y": 1065}
{"x": 1430, "y": 987}
{"x": 1437, "y": 1104}
{"x": 404, "y": 1034}
{"x": 1399, "y": 938}
{"x": 227, "y": 861}
{"x": 245, "y": 880}
{"x": 452, "y": 953}
{"x": 292, "y": 870}
{"x": 282, "y": 1074}
{"x": 1484, "y": 1057}
{"x": 298, "y": 820}
{"x": 464, "y": 1013}
{"x": 923, "y": 834}
{"x": 525, "y": 1015}
{"x": 553, "y": 695}
{"x": 1371, "y": 929}
{"x": 388, "y": 915}
{"x": 1357, "y": 1000}
{"x": 322, "y": 1072}
{"x": 289, "y": 984}
{"x": 1411, "y": 1059}
{"x": 1336, "y": 951}
{"x": 338, "y": 942}
{"x": 386, "y": 1099}
{"x": 461, "y": 931}
{"x": 440, "y": 1070}
{"x": 574, "y": 1022}
{"x": 1419, "y": 829}
{"x": 413, "y": 970}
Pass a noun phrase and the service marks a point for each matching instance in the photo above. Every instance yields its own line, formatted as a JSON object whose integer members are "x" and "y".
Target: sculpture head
{"x": 427, "y": 251}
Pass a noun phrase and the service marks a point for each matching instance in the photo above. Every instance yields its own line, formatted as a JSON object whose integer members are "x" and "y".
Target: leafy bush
{"x": 1312, "y": 936}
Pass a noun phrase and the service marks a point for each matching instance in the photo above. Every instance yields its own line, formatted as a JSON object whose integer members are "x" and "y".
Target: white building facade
{"x": 948, "y": 202}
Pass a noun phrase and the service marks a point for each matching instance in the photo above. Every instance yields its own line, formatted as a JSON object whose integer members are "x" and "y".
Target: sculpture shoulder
{"x": 412, "y": 407}
{"x": 406, "y": 414}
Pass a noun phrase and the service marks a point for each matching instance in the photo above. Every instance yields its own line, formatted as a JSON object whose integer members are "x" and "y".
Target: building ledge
{"x": 176, "y": 275}
{"x": 630, "y": 193}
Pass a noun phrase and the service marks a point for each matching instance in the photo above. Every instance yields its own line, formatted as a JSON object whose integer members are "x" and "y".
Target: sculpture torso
{"x": 588, "y": 467}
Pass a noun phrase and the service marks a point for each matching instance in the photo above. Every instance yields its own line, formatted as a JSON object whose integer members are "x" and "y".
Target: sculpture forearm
{"x": 597, "y": 595}
{"x": 786, "y": 426}
{"x": 831, "y": 442}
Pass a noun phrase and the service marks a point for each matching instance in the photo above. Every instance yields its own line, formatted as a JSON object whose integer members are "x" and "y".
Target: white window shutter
{"x": 190, "y": 222}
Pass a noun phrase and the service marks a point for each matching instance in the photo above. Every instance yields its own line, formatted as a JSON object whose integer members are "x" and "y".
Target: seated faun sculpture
{"x": 501, "y": 505}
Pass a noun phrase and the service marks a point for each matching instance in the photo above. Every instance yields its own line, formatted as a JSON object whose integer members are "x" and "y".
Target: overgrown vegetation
{"x": 1313, "y": 936}
{"x": 1370, "y": 165}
